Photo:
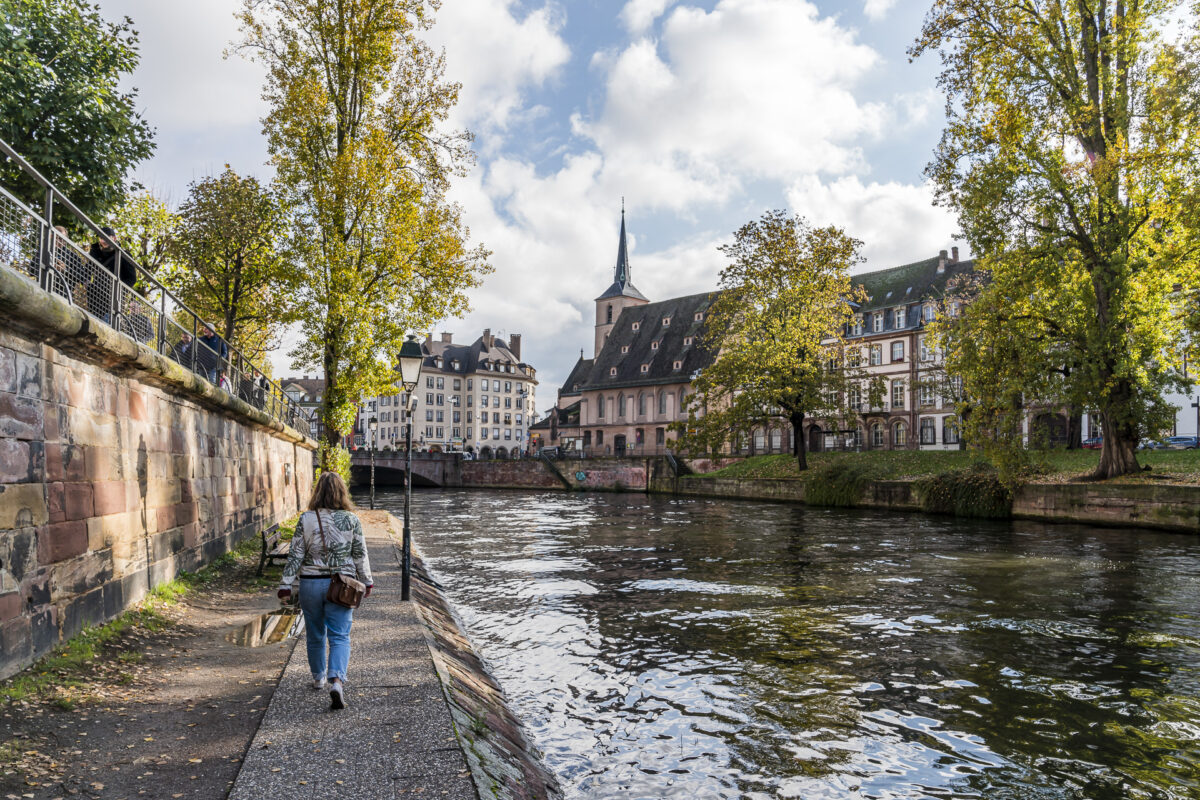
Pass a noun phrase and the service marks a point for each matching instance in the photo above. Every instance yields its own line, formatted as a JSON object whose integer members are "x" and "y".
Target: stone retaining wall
{"x": 1164, "y": 507}
{"x": 118, "y": 469}
{"x": 607, "y": 475}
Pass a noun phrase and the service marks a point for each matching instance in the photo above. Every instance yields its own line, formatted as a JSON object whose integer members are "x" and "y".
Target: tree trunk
{"x": 1118, "y": 452}
{"x": 1074, "y": 428}
{"x": 797, "y": 420}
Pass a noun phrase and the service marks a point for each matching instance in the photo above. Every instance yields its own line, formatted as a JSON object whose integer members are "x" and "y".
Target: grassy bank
{"x": 106, "y": 654}
{"x": 1174, "y": 466}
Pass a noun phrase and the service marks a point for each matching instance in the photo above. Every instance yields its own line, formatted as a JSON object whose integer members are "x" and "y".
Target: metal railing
{"x": 150, "y": 314}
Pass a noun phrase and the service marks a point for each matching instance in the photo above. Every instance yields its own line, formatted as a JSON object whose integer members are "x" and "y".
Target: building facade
{"x": 477, "y": 398}
{"x": 308, "y": 394}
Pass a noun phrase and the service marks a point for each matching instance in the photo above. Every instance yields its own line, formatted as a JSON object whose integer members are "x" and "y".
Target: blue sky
{"x": 702, "y": 115}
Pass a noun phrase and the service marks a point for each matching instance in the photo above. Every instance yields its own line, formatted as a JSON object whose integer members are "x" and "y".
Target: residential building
{"x": 477, "y": 398}
{"x": 307, "y": 393}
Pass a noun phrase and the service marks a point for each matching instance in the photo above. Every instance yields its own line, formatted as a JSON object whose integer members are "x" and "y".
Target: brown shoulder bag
{"x": 343, "y": 590}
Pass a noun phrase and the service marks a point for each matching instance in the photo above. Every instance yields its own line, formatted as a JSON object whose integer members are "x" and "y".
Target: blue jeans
{"x": 325, "y": 621}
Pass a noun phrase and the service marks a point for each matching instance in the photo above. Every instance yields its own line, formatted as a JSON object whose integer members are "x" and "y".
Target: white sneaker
{"x": 319, "y": 684}
{"x": 337, "y": 699}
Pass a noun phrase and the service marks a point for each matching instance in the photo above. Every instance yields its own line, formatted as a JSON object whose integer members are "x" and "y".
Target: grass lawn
{"x": 1173, "y": 466}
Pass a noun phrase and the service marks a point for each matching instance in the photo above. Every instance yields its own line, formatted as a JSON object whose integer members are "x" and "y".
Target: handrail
{"x": 64, "y": 269}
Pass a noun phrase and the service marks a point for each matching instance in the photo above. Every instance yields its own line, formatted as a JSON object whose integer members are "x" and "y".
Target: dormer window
{"x": 666, "y": 322}
{"x": 637, "y": 326}
{"x": 930, "y": 311}
{"x": 654, "y": 345}
{"x": 699, "y": 317}
{"x": 455, "y": 364}
{"x": 624, "y": 349}
{"x": 687, "y": 341}
{"x": 645, "y": 368}
{"x": 612, "y": 372}
{"x": 437, "y": 362}
{"x": 898, "y": 316}
{"x": 877, "y": 322}
{"x": 677, "y": 365}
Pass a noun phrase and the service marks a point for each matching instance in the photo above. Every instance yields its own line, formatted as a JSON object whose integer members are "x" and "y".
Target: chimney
{"x": 953, "y": 255}
{"x": 941, "y": 262}
{"x": 514, "y": 345}
{"x": 446, "y": 337}
{"x": 487, "y": 338}
{"x": 428, "y": 338}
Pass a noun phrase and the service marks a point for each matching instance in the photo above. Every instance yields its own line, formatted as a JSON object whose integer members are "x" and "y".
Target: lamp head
{"x": 411, "y": 358}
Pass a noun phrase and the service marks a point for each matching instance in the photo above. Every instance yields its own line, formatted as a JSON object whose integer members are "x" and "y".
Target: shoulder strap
{"x": 321, "y": 528}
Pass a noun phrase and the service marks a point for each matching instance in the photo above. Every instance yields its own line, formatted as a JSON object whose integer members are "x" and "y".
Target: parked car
{"x": 1181, "y": 442}
{"x": 551, "y": 452}
{"x": 1094, "y": 443}
{"x": 1151, "y": 444}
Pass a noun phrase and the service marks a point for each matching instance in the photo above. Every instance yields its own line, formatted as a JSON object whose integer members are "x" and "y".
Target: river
{"x": 662, "y": 647}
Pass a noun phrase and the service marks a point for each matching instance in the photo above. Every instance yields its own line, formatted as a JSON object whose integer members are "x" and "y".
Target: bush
{"x": 837, "y": 483}
{"x": 973, "y": 492}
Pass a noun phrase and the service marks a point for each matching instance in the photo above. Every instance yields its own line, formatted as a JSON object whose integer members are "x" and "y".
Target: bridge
{"x": 429, "y": 469}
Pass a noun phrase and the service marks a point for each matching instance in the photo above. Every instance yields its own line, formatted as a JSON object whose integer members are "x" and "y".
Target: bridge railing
{"x": 149, "y": 313}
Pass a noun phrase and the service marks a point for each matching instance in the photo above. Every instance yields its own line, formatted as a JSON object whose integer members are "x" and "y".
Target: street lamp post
{"x": 411, "y": 358}
{"x": 372, "y": 426}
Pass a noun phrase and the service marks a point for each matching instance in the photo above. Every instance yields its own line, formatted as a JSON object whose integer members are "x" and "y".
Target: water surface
{"x": 660, "y": 647}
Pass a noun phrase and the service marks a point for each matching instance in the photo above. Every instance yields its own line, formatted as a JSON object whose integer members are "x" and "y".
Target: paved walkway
{"x": 395, "y": 739}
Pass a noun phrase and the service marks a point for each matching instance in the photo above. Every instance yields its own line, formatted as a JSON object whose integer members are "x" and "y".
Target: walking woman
{"x": 328, "y": 541}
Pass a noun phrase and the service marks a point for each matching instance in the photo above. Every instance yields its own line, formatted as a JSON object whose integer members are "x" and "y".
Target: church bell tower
{"x": 619, "y": 296}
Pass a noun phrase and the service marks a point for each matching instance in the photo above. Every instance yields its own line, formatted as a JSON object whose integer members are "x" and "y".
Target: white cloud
{"x": 876, "y": 10}
{"x": 753, "y": 89}
{"x": 897, "y": 222}
{"x": 638, "y": 15}
{"x": 498, "y": 57}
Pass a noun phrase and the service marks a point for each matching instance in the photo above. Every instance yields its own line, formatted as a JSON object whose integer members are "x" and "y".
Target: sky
{"x": 699, "y": 115}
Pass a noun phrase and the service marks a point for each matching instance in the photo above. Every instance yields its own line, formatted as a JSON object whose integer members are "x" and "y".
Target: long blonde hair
{"x": 331, "y": 493}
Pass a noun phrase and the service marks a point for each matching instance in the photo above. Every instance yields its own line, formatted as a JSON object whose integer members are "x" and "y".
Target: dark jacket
{"x": 108, "y": 260}
{"x": 182, "y": 352}
{"x": 214, "y": 351}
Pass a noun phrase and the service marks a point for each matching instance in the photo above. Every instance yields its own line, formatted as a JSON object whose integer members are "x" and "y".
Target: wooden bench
{"x": 273, "y": 547}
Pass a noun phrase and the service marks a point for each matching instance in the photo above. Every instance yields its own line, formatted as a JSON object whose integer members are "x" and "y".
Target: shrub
{"x": 973, "y": 492}
{"x": 837, "y": 483}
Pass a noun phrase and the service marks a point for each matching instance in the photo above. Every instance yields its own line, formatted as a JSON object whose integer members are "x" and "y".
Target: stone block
{"x": 110, "y": 497}
{"x": 53, "y": 421}
{"x": 114, "y": 598}
{"x": 79, "y": 575}
{"x": 110, "y": 530}
{"x": 29, "y": 376}
{"x": 22, "y": 505}
{"x": 21, "y": 417}
{"x": 62, "y": 540}
{"x": 65, "y": 462}
{"x": 16, "y": 466}
{"x": 43, "y": 630}
{"x": 8, "y": 370}
{"x": 137, "y": 405}
{"x": 37, "y": 591}
{"x": 15, "y": 636}
{"x": 96, "y": 429}
{"x": 11, "y": 605}
{"x": 86, "y": 609}
{"x": 69, "y": 501}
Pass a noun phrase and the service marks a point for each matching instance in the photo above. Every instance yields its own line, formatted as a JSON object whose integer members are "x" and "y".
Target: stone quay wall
{"x": 118, "y": 469}
{"x": 602, "y": 475}
{"x": 1161, "y": 507}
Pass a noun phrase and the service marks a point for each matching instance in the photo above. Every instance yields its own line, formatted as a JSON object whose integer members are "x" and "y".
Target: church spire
{"x": 622, "y": 284}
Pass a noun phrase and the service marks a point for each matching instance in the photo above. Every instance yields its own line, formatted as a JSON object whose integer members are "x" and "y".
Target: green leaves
{"x": 61, "y": 106}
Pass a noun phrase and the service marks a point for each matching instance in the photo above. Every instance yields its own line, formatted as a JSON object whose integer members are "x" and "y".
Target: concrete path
{"x": 395, "y": 739}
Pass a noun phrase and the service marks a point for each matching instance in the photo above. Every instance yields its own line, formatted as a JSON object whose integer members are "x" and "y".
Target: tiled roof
{"x": 909, "y": 283}
{"x": 578, "y": 377}
{"x": 311, "y": 386}
{"x": 640, "y": 344}
{"x": 471, "y": 356}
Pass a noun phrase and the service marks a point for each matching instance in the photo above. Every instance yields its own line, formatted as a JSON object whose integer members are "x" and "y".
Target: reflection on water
{"x": 660, "y": 648}
{"x": 270, "y": 628}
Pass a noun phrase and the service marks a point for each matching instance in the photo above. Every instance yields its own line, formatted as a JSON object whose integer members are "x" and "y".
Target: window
{"x": 441, "y": 416}
{"x": 429, "y": 431}
{"x": 928, "y": 431}
{"x": 600, "y": 407}
{"x": 662, "y": 403}
{"x": 687, "y": 341}
{"x": 457, "y": 415}
{"x": 645, "y": 368}
{"x": 508, "y": 402}
{"x": 856, "y": 328}
{"x": 699, "y": 317}
{"x": 519, "y": 419}
{"x": 926, "y": 394}
{"x": 949, "y": 430}
{"x": 621, "y": 405}
{"x": 898, "y": 317}
{"x": 900, "y": 435}
{"x": 483, "y": 401}
{"x": 854, "y": 357}
{"x": 876, "y": 355}
{"x": 924, "y": 346}
{"x": 470, "y": 416}
{"x": 897, "y": 395}
{"x": 637, "y": 326}
{"x": 854, "y": 396}
{"x": 612, "y": 372}
{"x": 608, "y": 315}
{"x": 877, "y": 322}
{"x": 495, "y": 433}
{"x": 660, "y": 436}
{"x": 642, "y": 404}
{"x": 441, "y": 399}
{"x": 470, "y": 400}
{"x": 624, "y": 349}
{"x": 897, "y": 351}
{"x": 496, "y": 417}
{"x": 508, "y": 386}
{"x": 441, "y": 433}
{"x": 429, "y": 415}
{"x": 470, "y": 432}
{"x": 930, "y": 312}
{"x": 483, "y": 433}
{"x": 429, "y": 382}
{"x": 599, "y": 437}
{"x": 507, "y": 433}
{"x": 677, "y": 365}
{"x": 429, "y": 398}
{"x": 855, "y": 439}
{"x": 654, "y": 345}
{"x": 441, "y": 383}
{"x": 470, "y": 381}
{"x": 666, "y": 322}
{"x": 457, "y": 433}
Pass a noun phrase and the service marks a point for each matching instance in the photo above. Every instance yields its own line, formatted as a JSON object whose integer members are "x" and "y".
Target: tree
{"x": 229, "y": 265}
{"x": 146, "y": 227}
{"x": 1069, "y": 154}
{"x": 777, "y": 331}
{"x": 357, "y": 102}
{"x": 61, "y": 106}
